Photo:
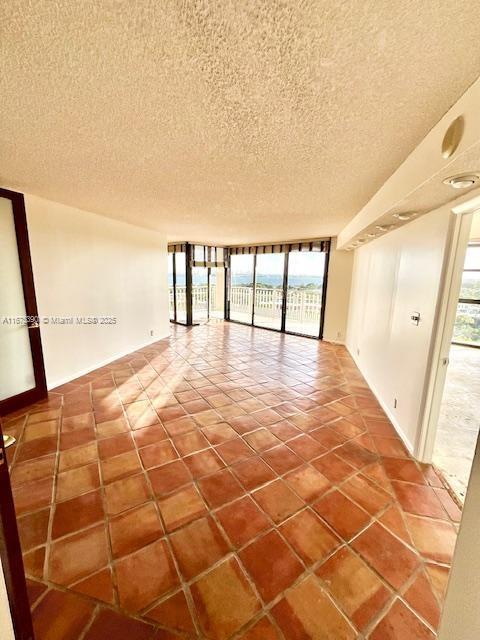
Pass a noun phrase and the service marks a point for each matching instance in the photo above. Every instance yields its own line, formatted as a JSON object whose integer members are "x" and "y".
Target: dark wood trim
{"x": 174, "y": 278}
{"x": 226, "y": 289}
{"x": 208, "y": 292}
{"x": 254, "y": 288}
{"x": 20, "y": 401}
{"x": 188, "y": 284}
{"x": 285, "y": 292}
{"x": 324, "y": 290}
{"x": 21, "y": 231}
{"x": 11, "y": 555}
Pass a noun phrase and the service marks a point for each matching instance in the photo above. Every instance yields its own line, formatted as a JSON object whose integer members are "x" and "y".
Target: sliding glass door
{"x": 304, "y": 292}
{"x": 180, "y": 287}
{"x": 241, "y": 288}
{"x": 216, "y": 296}
{"x": 268, "y": 305}
{"x": 200, "y": 295}
{"x": 280, "y": 287}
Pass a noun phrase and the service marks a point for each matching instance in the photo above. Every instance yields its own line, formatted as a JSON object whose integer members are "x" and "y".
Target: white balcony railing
{"x": 303, "y": 305}
{"x": 199, "y": 297}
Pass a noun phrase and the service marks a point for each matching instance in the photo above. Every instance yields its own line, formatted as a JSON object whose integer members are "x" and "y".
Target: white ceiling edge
{"x": 419, "y": 167}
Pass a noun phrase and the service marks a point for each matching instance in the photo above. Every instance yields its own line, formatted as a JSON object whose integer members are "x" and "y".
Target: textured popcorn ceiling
{"x": 230, "y": 121}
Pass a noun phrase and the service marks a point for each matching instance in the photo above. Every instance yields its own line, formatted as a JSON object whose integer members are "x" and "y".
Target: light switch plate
{"x": 415, "y": 318}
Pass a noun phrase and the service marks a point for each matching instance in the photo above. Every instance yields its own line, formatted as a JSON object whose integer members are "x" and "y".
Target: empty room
{"x": 239, "y": 320}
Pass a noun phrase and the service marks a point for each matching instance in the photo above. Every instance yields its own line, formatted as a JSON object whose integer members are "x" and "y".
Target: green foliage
{"x": 467, "y": 324}
{"x": 471, "y": 288}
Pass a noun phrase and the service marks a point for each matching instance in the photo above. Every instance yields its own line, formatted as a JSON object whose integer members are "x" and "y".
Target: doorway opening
{"x": 459, "y": 415}
{"x": 196, "y": 283}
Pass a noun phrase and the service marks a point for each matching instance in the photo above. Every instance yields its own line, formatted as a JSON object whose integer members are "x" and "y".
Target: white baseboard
{"x": 391, "y": 417}
{"x": 102, "y": 363}
{"x": 341, "y": 342}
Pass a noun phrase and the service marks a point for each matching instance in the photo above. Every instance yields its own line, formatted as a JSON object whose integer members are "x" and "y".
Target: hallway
{"x": 228, "y": 482}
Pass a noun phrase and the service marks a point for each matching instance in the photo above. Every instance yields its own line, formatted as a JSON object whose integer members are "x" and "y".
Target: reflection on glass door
{"x": 241, "y": 288}
{"x": 304, "y": 292}
{"x": 199, "y": 294}
{"x": 217, "y": 292}
{"x": 181, "y": 286}
{"x": 16, "y": 372}
{"x": 269, "y": 290}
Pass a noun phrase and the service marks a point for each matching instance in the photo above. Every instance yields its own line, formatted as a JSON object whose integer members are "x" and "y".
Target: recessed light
{"x": 462, "y": 182}
{"x": 381, "y": 227}
{"x": 403, "y": 216}
{"x": 372, "y": 235}
{"x": 453, "y": 137}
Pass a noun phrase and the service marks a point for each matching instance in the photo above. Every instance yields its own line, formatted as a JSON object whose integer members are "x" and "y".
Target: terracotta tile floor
{"x": 227, "y": 483}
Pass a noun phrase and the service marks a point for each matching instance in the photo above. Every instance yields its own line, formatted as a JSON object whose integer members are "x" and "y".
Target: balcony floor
{"x": 458, "y": 426}
{"x": 227, "y": 483}
{"x": 303, "y": 328}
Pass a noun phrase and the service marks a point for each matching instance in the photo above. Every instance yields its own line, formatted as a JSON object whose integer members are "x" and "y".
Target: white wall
{"x": 87, "y": 265}
{"x": 394, "y": 276}
{"x": 338, "y": 294}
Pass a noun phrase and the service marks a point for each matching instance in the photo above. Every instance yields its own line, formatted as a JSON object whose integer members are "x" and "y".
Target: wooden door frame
{"x": 11, "y": 556}
{"x": 21, "y": 231}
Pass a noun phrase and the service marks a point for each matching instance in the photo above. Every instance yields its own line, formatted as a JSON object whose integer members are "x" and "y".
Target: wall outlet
{"x": 151, "y": 332}
{"x": 339, "y": 335}
{"x": 394, "y": 403}
{"x": 358, "y": 351}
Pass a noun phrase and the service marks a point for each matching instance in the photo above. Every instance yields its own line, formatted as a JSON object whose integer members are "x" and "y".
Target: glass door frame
{"x": 284, "y": 293}
{"x": 39, "y": 391}
{"x": 188, "y": 285}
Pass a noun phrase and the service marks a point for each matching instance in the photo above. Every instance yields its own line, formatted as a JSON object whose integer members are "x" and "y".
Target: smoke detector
{"x": 403, "y": 216}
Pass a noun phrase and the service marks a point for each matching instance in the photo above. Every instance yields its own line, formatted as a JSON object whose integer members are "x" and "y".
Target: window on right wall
{"x": 467, "y": 323}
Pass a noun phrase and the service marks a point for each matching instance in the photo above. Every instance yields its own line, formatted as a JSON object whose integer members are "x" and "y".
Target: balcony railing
{"x": 303, "y": 305}
{"x": 199, "y": 297}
